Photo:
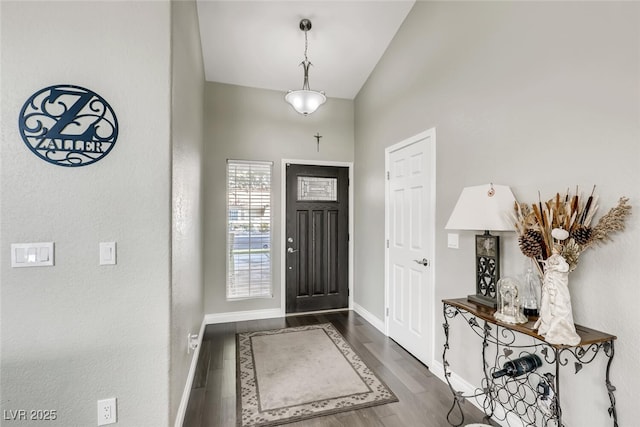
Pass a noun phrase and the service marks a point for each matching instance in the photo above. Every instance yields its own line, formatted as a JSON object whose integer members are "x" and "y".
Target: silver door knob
{"x": 291, "y": 250}
{"x": 422, "y": 261}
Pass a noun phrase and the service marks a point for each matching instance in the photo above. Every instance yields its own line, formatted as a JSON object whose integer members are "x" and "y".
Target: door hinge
{"x": 388, "y": 176}
{"x": 387, "y": 243}
{"x": 387, "y": 312}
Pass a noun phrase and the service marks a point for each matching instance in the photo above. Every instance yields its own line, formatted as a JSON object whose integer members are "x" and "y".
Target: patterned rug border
{"x": 336, "y": 337}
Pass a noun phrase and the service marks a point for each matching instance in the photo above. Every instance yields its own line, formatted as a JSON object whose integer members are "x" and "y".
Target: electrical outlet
{"x": 192, "y": 342}
{"x": 107, "y": 412}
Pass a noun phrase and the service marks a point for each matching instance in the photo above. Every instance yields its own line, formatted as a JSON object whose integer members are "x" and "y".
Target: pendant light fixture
{"x": 305, "y": 101}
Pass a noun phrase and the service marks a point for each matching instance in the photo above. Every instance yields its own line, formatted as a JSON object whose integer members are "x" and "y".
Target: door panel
{"x": 416, "y": 284}
{"x": 302, "y": 277}
{"x": 408, "y": 280}
{"x": 397, "y": 291}
{"x": 317, "y": 238}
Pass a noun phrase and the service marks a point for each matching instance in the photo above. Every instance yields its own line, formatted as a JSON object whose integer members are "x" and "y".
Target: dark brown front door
{"x": 317, "y": 238}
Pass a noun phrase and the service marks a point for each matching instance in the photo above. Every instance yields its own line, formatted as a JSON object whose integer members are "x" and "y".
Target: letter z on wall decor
{"x": 68, "y": 125}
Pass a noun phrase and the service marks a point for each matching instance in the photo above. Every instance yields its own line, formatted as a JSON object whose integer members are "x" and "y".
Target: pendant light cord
{"x": 306, "y": 46}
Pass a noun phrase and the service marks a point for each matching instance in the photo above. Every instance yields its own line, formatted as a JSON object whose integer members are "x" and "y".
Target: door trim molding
{"x": 429, "y": 133}
{"x": 283, "y": 223}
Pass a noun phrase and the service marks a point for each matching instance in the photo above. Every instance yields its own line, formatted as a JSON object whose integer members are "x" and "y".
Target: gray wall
{"x": 539, "y": 96}
{"x": 78, "y": 332}
{"x": 187, "y": 104}
{"x": 255, "y": 124}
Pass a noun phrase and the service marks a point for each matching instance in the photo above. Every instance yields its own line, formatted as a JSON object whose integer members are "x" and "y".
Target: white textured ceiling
{"x": 259, "y": 43}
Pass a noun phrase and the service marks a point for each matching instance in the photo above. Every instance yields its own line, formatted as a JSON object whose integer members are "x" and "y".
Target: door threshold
{"x": 335, "y": 310}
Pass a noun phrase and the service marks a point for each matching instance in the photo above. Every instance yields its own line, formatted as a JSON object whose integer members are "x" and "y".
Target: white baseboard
{"x": 377, "y": 323}
{"x": 240, "y": 316}
{"x": 182, "y": 409}
{"x": 461, "y": 385}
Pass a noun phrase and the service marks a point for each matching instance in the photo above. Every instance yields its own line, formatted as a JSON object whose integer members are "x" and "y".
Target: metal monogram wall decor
{"x": 68, "y": 125}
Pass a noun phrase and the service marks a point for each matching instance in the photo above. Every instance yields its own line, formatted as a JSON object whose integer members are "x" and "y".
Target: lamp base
{"x": 487, "y": 269}
{"x": 484, "y": 300}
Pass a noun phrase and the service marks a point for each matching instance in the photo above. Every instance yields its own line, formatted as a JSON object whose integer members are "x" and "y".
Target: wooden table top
{"x": 588, "y": 336}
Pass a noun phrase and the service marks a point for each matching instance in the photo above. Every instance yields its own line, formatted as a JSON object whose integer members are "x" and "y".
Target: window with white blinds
{"x": 249, "y": 224}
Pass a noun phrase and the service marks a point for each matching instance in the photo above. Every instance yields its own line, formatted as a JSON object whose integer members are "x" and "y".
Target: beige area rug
{"x": 292, "y": 374}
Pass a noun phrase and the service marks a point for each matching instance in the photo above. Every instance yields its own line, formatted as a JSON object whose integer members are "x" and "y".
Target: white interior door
{"x": 409, "y": 281}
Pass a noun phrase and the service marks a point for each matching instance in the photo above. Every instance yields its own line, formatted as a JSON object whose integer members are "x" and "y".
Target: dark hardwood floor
{"x": 423, "y": 398}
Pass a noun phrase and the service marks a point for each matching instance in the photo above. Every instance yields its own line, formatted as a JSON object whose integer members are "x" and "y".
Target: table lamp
{"x": 484, "y": 207}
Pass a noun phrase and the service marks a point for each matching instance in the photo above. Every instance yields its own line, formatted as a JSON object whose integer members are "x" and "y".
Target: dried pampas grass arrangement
{"x": 563, "y": 225}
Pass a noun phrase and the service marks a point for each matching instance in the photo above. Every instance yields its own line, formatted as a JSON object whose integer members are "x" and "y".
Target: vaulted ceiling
{"x": 260, "y": 44}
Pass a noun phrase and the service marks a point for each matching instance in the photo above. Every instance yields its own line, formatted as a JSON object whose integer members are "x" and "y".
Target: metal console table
{"x": 533, "y": 398}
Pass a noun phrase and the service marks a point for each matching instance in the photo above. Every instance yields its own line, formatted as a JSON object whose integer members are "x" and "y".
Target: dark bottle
{"x": 531, "y": 294}
{"x": 520, "y": 366}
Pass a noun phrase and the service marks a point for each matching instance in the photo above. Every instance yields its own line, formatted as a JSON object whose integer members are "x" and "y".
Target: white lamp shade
{"x": 305, "y": 101}
{"x": 477, "y": 209}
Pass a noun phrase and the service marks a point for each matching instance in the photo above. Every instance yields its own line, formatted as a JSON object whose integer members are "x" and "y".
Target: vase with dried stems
{"x": 554, "y": 234}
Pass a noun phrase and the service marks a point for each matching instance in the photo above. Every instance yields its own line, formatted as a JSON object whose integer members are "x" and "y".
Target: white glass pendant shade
{"x": 305, "y": 101}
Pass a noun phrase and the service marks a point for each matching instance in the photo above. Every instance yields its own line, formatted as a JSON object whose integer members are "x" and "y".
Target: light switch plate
{"x": 107, "y": 253}
{"x": 32, "y": 254}
{"x": 453, "y": 240}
